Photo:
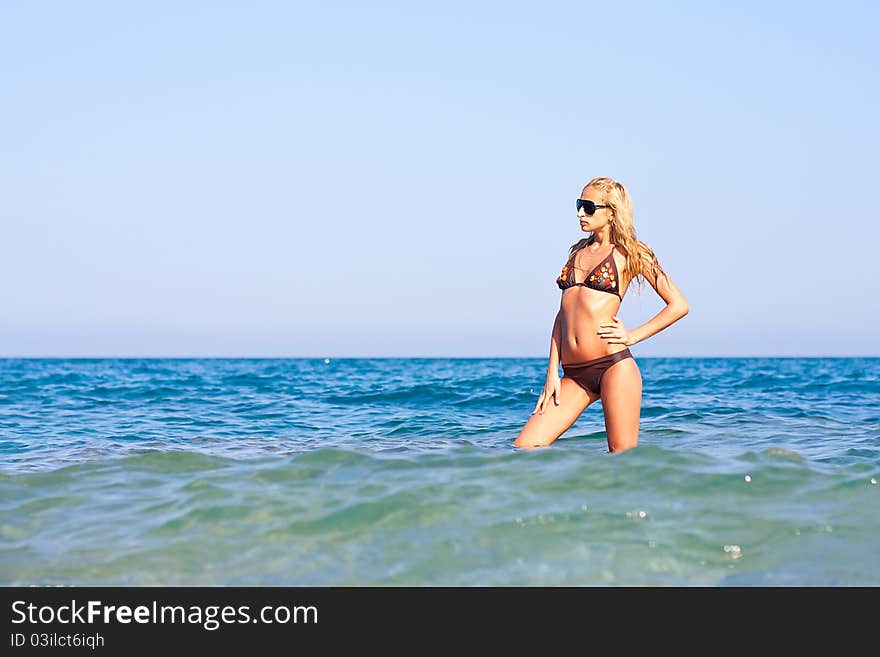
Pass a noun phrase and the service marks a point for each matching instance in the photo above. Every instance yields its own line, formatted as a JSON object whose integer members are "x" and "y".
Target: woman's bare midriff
{"x": 582, "y": 310}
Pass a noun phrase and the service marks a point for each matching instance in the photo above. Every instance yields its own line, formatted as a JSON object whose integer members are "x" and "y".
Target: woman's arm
{"x": 553, "y": 364}
{"x": 676, "y": 308}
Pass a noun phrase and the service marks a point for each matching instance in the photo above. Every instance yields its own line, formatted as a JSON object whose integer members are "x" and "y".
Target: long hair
{"x": 639, "y": 256}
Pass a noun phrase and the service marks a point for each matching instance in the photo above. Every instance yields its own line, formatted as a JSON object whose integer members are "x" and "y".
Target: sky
{"x": 284, "y": 179}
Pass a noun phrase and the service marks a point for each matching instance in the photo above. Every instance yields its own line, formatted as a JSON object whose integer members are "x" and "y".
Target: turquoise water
{"x": 400, "y": 472}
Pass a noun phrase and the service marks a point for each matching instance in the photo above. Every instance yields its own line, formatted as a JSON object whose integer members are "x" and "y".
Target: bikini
{"x": 605, "y": 278}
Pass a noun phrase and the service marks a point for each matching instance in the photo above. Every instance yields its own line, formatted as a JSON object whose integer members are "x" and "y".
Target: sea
{"x": 402, "y": 472}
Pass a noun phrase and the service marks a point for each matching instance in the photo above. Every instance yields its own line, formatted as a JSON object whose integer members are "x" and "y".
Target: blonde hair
{"x": 639, "y": 256}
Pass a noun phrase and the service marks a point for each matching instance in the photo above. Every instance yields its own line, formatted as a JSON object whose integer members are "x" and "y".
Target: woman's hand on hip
{"x": 615, "y": 332}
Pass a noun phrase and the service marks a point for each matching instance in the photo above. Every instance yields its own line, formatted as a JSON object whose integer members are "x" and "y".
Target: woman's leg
{"x": 543, "y": 429}
{"x": 621, "y": 392}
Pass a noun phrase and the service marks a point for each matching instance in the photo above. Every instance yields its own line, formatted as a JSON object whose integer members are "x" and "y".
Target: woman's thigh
{"x": 543, "y": 428}
{"x": 621, "y": 391}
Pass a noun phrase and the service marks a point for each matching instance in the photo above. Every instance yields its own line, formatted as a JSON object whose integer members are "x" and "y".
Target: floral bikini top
{"x": 604, "y": 276}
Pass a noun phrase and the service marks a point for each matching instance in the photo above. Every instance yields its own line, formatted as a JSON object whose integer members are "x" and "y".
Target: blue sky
{"x": 398, "y": 179}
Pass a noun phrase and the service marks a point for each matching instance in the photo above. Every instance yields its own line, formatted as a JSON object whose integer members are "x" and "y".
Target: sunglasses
{"x": 588, "y": 206}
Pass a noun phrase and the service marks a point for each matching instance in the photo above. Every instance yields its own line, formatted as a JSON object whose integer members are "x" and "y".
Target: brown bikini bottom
{"x": 589, "y": 373}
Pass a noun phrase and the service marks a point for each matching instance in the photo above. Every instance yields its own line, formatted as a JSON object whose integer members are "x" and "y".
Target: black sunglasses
{"x": 588, "y": 206}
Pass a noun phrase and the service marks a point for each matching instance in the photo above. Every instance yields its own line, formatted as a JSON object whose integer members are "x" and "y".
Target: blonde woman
{"x": 588, "y": 339}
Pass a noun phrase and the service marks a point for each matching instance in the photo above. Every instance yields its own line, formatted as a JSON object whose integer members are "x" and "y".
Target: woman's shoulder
{"x": 574, "y": 248}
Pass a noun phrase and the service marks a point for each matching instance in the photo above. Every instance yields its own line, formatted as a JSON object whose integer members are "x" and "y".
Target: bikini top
{"x": 604, "y": 276}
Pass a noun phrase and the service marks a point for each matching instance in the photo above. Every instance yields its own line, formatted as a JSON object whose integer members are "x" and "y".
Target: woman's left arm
{"x": 676, "y": 308}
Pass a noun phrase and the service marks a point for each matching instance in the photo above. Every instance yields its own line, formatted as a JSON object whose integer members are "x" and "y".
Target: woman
{"x": 588, "y": 338}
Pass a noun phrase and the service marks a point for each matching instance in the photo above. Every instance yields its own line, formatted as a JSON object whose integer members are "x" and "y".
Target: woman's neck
{"x": 602, "y": 239}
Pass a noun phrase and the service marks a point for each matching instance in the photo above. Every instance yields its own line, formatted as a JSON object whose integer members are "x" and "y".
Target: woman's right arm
{"x": 551, "y": 385}
{"x": 555, "y": 338}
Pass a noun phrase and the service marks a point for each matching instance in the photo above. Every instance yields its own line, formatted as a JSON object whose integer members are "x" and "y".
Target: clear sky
{"x": 398, "y": 179}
